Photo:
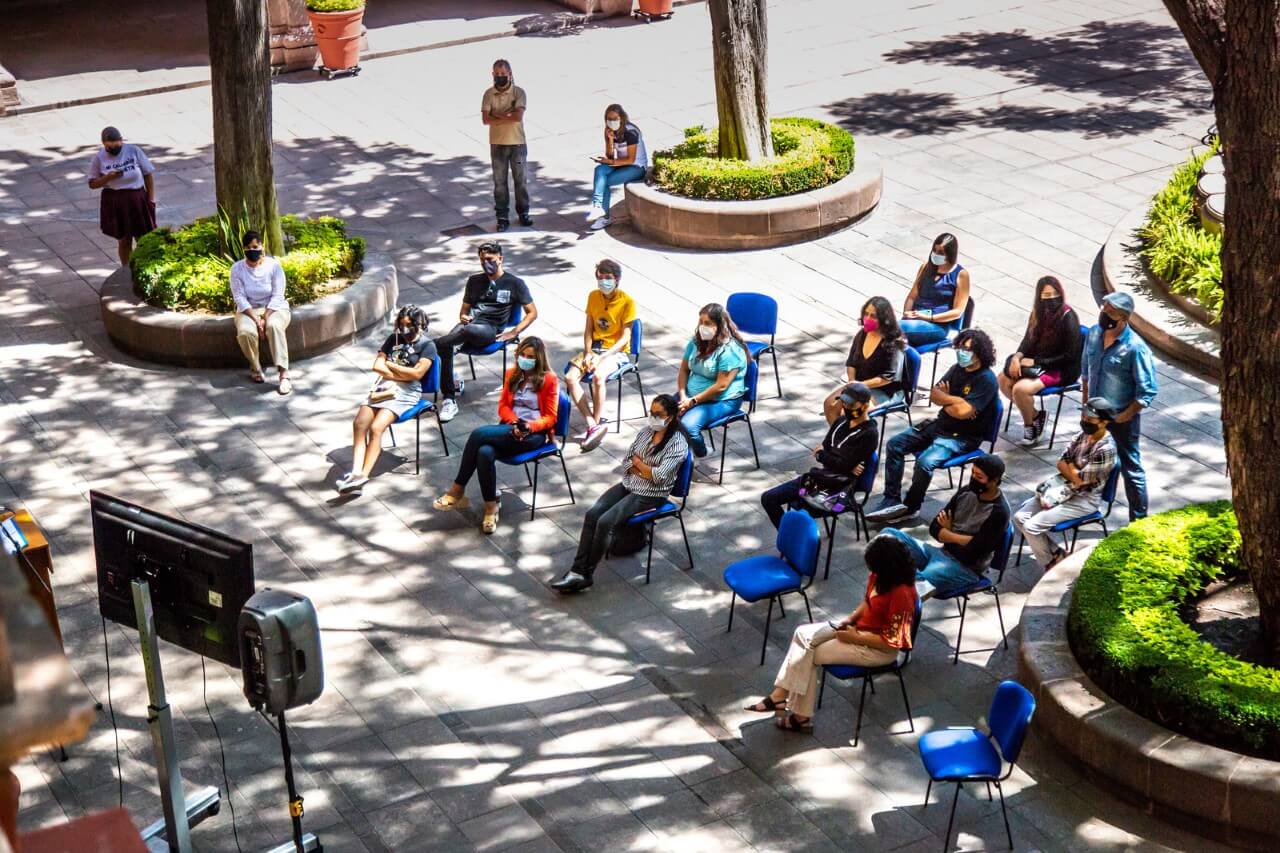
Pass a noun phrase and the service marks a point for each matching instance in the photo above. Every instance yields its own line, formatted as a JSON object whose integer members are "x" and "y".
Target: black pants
{"x": 777, "y": 500}
{"x": 509, "y": 158}
{"x": 484, "y": 446}
{"x": 606, "y": 515}
{"x": 467, "y": 335}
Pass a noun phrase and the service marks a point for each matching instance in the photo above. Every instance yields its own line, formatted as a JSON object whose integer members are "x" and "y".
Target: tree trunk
{"x": 1238, "y": 45}
{"x": 240, "y": 65}
{"x": 739, "y": 41}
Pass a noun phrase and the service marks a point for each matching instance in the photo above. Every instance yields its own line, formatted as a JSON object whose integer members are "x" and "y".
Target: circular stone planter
{"x": 1208, "y": 790}
{"x": 760, "y": 223}
{"x": 201, "y": 340}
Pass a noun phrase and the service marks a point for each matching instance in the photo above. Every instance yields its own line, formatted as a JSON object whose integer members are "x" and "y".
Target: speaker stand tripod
{"x": 302, "y": 843}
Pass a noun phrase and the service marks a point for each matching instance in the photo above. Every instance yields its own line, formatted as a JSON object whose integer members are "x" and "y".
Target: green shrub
{"x": 183, "y": 270}
{"x": 1125, "y": 629}
{"x": 808, "y": 154}
{"x": 1176, "y": 246}
{"x": 334, "y": 5}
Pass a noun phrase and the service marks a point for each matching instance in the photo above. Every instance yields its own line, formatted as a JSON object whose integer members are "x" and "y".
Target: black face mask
{"x": 254, "y": 255}
{"x": 854, "y": 413}
{"x": 114, "y": 151}
{"x": 1089, "y": 427}
{"x": 976, "y": 487}
{"x": 489, "y": 267}
{"x": 1050, "y": 306}
{"x": 501, "y": 80}
{"x": 1107, "y": 322}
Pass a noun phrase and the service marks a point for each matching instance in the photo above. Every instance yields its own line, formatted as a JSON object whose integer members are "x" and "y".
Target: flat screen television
{"x": 199, "y": 578}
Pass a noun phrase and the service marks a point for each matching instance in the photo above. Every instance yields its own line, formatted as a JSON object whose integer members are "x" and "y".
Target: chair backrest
{"x": 910, "y": 374}
{"x": 1109, "y": 488}
{"x": 752, "y": 380}
{"x": 966, "y": 320}
{"x": 754, "y": 313}
{"x": 431, "y": 379}
{"x": 563, "y": 411}
{"x": 517, "y": 314}
{"x": 1000, "y": 559}
{"x": 798, "y": 541}
{"x": 994, "y": 431}
{"x": 684, "y": 478}
{"x": 1010, "y": 714}
{"x": 637, "y": 338}
{"x": 867, "y": 479}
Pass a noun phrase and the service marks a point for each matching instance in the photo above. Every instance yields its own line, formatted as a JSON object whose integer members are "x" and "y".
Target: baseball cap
{"x": 854, "y": 393}
{"x": 1120, "y": 301}
{"x": 1101, "y": 408}
{"x": 991, "y": 465}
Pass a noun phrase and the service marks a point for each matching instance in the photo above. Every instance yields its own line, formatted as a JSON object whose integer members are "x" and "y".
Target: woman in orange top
{"x": 870, "y": 636}
{"x": 527, "y": 411}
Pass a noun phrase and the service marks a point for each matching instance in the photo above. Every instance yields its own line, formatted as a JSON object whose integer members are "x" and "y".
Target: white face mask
{"x": 657, "y": 422}
{"x": 607, "y": 285}
{"x": 613, "y": 124}
{"x": 706, "y": 332}
{"x": 937, "y": 259}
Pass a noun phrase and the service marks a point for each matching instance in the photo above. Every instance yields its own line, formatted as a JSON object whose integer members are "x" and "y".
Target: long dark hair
{"x": 888, "y": 557}
{"x": 540, "y": 370}
{"x": 950, "y": 247}
{"x": 725, "y": 330}
{"x": 672, "y": 409}
{"x": 889, "y": 329}
{"x": 1050, "y": 329}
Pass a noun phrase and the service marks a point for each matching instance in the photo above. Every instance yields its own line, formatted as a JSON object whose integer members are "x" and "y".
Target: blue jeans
{"x": 610, "y": 176}
{"x": 1127, "y": 436}
{"x": 484, "y": 446}
{"x": 930, "y": 452}
{"x": 511, "y": 158}
{"x": 943, "y": 572}
{"x": 696, "y": 419}
{"x": 921, "y": 332}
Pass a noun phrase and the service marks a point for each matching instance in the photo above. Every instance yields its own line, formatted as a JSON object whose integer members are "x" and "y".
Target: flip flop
{"x": 286, "y": 387}
{"x": 789, "y": 723}
{"x": 767, "y": 705}
{"x": 256, "y": 377}
{"x": 447, "y": 502}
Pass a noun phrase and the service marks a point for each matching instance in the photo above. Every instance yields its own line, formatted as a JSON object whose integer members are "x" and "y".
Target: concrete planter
{"x": 758, "y": 224}
{"x": 599, "y": 8}
{"x": 196, "y": 340}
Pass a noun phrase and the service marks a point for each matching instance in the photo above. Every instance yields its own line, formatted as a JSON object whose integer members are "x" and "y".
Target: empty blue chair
{"x": 632, "y": 366}
{"x": 846, "y": 672}
{"x": 946, "y": 343}
{"x": 910, "y": 376}
{"x": 743, "y": 414}
{"x": 792, "y": 571}
{"x": 430, "y": 385}
{"x": 1059, "y": 391}
{"x": 545, "y": 451}
{"x": 968, "y": 755}
{"x": 1073, "y": 525}
{"x": 517, "y": 314}
{"x": 650, "y": 517}
{"x": 983, "y": 585}
{"x": 964, "y": 459}
{"x": 866, "y": 482}
{"x": 757, "y": 314}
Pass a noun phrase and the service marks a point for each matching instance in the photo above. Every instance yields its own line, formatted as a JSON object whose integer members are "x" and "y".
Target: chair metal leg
{"x": 768, "y": 620}
{"x": 417, "y": 444}
{"x": 988, "y": 792}
{"x": 565, "y": 467}
{"x": 960, "y": 634}
{"x": 504, "y": 361}
{"x": 781, "y": 613}
{"x": 808, "y": 611}
{"x": 1008, "y": 416}
{"x": 724, "y": 445}
{"x": 1054, "y": 432}
{"x": 946, "y": 839}
{"x": 751, "y": 432}
{"x": 533, "y": 506}
{"x": 444, "y": 439}
{"x": 928, "y": 790}
{"x": 1022, "y": 540}
{"x": 995, "y": 592}
{"x": 862, "y": 702}
{"x": 471, "y": 362}
{"x": 688, "y": 551}
{"x": 1005, "y": 812}
{"x": 822, "y": 686}
{"x": 830, "y": 525}
{"x": 617, "y": 422}
{"x": 648, "y": 565}
{"x": 527, "y": 476}
{"x": 732, "y": 602}
{"x": 911, "y": 721}
{"x": 391, "y": 431}
{"x": 640, "y": 389}
{"x": 773, "y": 353}
{"x": 951, "y": 483}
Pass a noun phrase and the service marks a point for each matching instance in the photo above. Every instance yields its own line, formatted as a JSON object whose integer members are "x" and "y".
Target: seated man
{"x": 970, "y": 529}
{"x": 967, "y": 395}
{"x": 842, "y": 456}
{"x": 606, "y": 342}
{"x": 488, "y": 301}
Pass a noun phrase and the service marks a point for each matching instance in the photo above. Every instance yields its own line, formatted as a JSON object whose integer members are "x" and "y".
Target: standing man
{"x": 606, "y": 344}
{"x": 488, "y": 301}
{"x": 1118, "y": 366}
{"x": 128, "y": 207}
{"x": 502, "y": 111}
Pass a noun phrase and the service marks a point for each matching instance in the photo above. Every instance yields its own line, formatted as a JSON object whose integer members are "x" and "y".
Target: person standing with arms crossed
{"x": 124, "y": 174}
{"x": 502, "y": 111}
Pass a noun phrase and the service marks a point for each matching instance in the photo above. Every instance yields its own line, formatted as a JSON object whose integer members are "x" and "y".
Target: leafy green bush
{"x": 1176, "y": 246}
{"x": 1126, "y": 631}
{"x": 808, "y": 154}
{"x": 334, "y": 5}
{"x": 183, "y": 269}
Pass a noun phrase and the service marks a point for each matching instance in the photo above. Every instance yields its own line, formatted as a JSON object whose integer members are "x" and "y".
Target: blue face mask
{"x": 964, "y": 357}
{"x": 526, "y": 364}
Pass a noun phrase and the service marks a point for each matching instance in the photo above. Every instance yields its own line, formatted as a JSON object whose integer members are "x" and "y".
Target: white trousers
{"x": 1035, "y": 522}
{"x": 798, "y": 674}
{"x": 247, "y": 338}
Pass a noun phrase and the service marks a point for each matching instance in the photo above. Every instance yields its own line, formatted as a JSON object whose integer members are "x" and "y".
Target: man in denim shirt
{"x": 1117, "y": 365}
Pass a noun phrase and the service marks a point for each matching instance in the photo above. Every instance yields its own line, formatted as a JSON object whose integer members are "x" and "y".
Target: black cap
{"x": 854, "y": 393}
{"x": 1100, "y": 408}
{"x": 991, "y": 465}
{"x": 111, "y": 134}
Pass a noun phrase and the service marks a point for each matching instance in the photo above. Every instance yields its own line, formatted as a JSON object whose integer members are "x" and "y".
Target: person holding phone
{"x": 625, "y": 160}
{"x": 527, "y": 411}
{"x": 128, "y": 206}
{"x": 1048, "y": 356}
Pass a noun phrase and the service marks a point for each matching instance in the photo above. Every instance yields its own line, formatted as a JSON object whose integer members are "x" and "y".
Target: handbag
{"x": 380, "y": 393}
{"x": 1054, "y": 491}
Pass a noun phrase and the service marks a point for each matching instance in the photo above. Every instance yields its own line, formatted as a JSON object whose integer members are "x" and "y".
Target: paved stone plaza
{"x": 468, "y": 706}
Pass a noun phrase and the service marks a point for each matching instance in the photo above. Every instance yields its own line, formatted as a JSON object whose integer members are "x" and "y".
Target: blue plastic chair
{"x": 757, "y": 314}
{"x": 866, "y": 482}
{"x": 546, "y": 451}
{"x": 846, "y": 672}
{"x": 743, "y": 414}
{"x": 966, "y": 320}
{"x": 910, "y": 376}
{"x": 792, "y": 571}
{"x": 517, "y": 314}
{"x": 430, "y": 385}
{"x": 983, "y": 585}
{"x": 1073, "y": 525}
{"x": 1059, "y": 391}
{"x": 963, "y": 459}
{"x": 967, "y": 755}
{"x": 670, "y": 509}
{"x": 631, "y": 367}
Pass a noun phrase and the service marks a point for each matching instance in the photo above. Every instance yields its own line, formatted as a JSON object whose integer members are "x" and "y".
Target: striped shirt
{"x": 1094, "y": 462}
{"x": 665, "y": 464}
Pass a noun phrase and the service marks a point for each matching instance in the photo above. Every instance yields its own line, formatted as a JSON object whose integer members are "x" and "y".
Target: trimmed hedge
{"x": 1126, "y": 632}
{"x": 808, "y": 154}
{"x": 1176, "y": 246}
{"x": 334, "y": 5}
{"x": 182, "y": 270}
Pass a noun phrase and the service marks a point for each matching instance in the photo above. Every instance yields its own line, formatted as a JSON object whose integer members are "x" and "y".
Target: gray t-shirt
{"x": 525, "y": 403}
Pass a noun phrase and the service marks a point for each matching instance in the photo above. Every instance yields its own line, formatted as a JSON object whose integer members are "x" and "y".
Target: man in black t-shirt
{"x": 967, "y": 395}
{"x": 488, "y": 302}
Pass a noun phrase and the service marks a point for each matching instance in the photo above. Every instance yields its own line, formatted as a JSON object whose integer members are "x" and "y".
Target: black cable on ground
{"x": 106, "y": 650}
{"x": 221, "y": 752}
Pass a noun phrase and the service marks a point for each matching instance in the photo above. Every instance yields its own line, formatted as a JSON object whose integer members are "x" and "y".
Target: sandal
{"x": 490, "y": 524}
{"x": 256, "y": 377}
{"x": 792, "y": 723}
{"x": 447, "y": 502}
{"x": 767, "y": 705}
{"x": 1058, "y": 556}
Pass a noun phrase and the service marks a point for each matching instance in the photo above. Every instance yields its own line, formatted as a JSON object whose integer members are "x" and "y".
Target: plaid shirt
{"x": 1093, "y": 462}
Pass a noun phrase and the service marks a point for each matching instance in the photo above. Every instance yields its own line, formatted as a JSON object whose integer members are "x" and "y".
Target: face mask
{"x": 114, "y": 150}
{"x": 526, "y": 364}
{"x": 614, "y": 124}
{"x": 253, "y": 255}
{"x": 1050, "y": 306}
{"x": 964, "y": 358}
{"x": 490, "y": 267}
{"x": 1088, "y": 427}
{"x": 706, "y": 332}
{"x": 501, "y": 80}
{"x": 657, "y": 423}
{"x": 607, "y": 285}
{"x": 976, "y": 487}
{"x": 936, "y": 259}
{"x": 855, "y": 413}
{"x": 1107, "y": 322}
{"x": 870, "y": 324}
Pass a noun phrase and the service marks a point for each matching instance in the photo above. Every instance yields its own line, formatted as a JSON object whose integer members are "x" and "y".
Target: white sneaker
{"x": 448, "y": 410}
{"x": 354, "y": 483}
{"x": 596, "y": 212}
{"x": 601, "y": 224}
{"x": 595, "y": 435}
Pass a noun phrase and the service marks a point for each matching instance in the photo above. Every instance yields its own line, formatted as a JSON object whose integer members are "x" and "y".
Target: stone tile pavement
{"x": 468, "y": 707}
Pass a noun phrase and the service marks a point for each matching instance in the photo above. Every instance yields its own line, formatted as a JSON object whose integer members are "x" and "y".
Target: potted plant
{"x": 338, "y": 25}
{"x": 651, "y": 10}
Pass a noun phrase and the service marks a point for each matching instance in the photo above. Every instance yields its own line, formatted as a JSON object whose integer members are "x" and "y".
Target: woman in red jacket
{"x": 527, "y": 411}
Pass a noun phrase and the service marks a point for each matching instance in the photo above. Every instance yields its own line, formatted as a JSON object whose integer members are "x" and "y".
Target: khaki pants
{"x": 247, "y": 338}
{"x": 798, "y": 674}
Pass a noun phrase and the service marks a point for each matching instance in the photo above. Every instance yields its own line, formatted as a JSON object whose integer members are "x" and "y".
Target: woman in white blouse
{"x": 257, "y": 287}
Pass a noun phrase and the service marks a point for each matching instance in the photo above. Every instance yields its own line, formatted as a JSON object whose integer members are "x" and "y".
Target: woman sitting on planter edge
{"x": 625, "y": 160}
{"x": 405, "y": 357}
{"x": 1048, "y": 356}
{"x": 648, "y": 475}
{"x": 935, "y": 306}
{"x": 872, "y": 635}
{"x": 875, "y": 358}
{"x": 527, "y": 410}
{"x": 257, "y": 289}
{"x": 712, "y": 377}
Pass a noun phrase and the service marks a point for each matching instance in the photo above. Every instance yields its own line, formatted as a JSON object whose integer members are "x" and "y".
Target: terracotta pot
{"x": 655, "y": 7}
{"x": 338, "y": 37}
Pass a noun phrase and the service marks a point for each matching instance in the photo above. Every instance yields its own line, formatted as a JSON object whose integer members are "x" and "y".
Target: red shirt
{"x": 889, "y": 614}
